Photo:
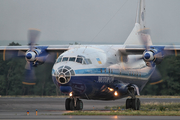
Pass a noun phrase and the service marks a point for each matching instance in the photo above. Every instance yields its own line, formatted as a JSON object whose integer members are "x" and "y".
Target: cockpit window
{"x": 79, "y": 60}
{"x": 59, "y": 59}
{"x": 88, "y": 61}
{"x": 84, "y": 62}
{"x": 65, "y": 59}
{"x": 72, "y": 59}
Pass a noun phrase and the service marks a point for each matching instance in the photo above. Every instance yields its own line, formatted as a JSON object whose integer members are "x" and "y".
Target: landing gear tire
{"x": 138, "y": 103}
{"x": 67, "y": 104}
{"x": 72, "y": 104}
{"x": 133, "y": 103}
{"x": 128, "y": 103}
{"x": 79, "y": 105}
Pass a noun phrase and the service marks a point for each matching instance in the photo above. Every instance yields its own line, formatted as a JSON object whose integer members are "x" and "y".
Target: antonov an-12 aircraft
{"x": 99, "y": 72}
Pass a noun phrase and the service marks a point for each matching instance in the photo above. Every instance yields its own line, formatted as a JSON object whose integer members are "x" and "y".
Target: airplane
{"x": 98, "y": 72}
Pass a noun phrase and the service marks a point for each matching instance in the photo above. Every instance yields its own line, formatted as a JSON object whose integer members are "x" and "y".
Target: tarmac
{"x": 53, "y": 108}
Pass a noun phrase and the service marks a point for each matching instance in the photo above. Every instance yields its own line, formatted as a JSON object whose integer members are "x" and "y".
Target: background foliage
{"x": 12, "y": 74}
{"x": 170, "y": 71}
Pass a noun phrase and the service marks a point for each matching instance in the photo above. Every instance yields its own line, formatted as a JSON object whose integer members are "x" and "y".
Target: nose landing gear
{"x": 73, "y": 104}
{"x": 133, "y": 102}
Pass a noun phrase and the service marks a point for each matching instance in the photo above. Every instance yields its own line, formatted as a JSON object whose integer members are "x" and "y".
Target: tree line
{"x": 12, "y": 75}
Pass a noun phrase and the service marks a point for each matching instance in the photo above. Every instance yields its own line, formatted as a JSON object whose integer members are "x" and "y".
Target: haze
{"x": 86, "y": 21}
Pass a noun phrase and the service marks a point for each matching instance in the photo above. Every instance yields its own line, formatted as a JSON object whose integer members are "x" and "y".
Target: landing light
{"x": 110, "y": 89}
{"x": 115, "y": 93}
{"x": 70, "y": 94}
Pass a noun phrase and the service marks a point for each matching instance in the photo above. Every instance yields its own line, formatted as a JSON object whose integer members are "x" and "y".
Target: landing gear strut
{"x": 73, "y": 104}
{"x": 133, "y": 102}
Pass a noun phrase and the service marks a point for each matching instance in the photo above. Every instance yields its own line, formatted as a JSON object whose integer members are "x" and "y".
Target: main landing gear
{"x": 133, "y": 102}
{"x": 73, "y": 104}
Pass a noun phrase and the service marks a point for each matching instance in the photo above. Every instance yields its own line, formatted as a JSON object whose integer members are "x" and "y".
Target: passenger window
{"x": 65, "y": 59}
{"x": 79, "y": 60}
{"x": 72, "y": 59}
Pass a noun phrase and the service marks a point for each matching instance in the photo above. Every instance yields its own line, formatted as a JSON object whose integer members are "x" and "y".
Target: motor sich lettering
{"x": 105, "y": 79}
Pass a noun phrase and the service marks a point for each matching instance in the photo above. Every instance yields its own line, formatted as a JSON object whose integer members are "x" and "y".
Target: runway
{"x": 53, "y": 108}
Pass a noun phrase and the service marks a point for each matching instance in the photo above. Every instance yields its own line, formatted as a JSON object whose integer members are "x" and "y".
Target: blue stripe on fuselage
{"x": 107, "y": 71}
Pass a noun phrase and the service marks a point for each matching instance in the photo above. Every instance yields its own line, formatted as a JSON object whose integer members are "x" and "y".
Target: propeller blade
{"x": 21, "y": 53}
{"x": 28, "y": 66}
{"x": 41, "y": 59}
{"x": 155, "y": 78}
{"x": 33, "y": 35}
{"x": 145, "y": 37}
{"x": 159, "y": 55}
{"x": 8, "y": 54}
{"x": 50, "y": 58}
{"x": 170, "y": 50}
{"x": 29, "y": 77}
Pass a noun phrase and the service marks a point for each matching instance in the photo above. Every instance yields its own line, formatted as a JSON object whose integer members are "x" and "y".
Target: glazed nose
{"x": 64, "y": 74}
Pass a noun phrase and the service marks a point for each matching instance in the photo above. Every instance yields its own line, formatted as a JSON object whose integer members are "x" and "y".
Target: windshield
{"x": 79, "y": 59}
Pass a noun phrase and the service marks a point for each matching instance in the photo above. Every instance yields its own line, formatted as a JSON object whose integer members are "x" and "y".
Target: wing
{"x": 151, "y": 56}
{"x": 13, "y": 51}
{"x": 139, "y": 49}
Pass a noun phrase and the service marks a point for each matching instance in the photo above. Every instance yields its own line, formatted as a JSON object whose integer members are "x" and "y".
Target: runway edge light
{"x": 28, "y": 112}
{"x": 36, "y": 112}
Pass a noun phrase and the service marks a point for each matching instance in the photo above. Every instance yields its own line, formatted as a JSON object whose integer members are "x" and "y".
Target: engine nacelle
{"x": 126, "y": 88}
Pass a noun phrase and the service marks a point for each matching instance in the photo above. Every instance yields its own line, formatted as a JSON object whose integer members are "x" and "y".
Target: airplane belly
{"x": 94, "y": 87}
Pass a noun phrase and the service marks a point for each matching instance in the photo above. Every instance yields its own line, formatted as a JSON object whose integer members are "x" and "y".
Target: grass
{"x": 149, "y": 109}
{"x": 151, "y": 106}
{"x": 159, "y": 96}
{"x": 127, "y": 112}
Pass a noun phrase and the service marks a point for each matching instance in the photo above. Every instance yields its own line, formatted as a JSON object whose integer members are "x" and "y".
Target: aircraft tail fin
{"x": 134, "y": 38}
{"x": 140, "y": 15}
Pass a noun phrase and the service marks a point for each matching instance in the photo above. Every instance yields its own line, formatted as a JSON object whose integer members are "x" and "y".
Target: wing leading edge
{"x": 139, "y": 49}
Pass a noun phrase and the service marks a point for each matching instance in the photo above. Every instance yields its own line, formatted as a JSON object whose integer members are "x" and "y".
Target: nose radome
{"x": 63, "y": 74}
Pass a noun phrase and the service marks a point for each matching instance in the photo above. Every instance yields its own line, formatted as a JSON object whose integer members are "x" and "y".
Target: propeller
{"x": 151, "y": 56}
{"x": 34, "y": 56}
{"x": 30, "y": 57}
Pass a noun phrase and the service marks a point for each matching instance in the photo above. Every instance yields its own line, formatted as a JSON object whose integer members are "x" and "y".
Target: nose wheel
{"x": 73, "y": 104}
{"x": 133, "y": 102}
